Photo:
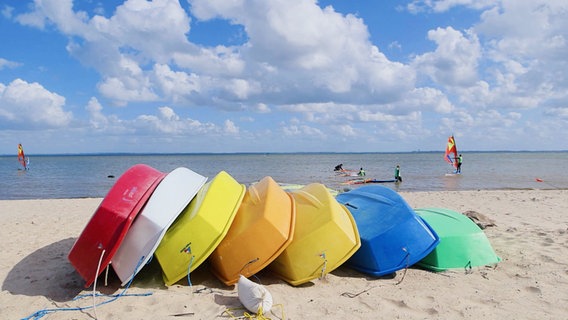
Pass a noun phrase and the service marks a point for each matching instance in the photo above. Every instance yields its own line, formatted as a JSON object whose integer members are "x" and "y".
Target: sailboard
{"x": 451, "y": 154}
{"x": 24, "y": 161}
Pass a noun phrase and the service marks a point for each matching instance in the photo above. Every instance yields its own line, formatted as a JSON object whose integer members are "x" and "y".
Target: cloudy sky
{"x": 282, "y": 75}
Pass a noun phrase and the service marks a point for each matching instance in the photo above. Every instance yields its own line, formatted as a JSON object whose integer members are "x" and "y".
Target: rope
{"x": 41, "y": 313}
{"x": 246, "y": 315}
{"x": 406, "y": 267}
{"x": 95, "y": 284}
{"x": 187, "y": 249}
{"x": 354, "y": 295}
{"x": 249, "y": 263}
{"x": 468, "y": 268}
{"x": 323, "y": 269}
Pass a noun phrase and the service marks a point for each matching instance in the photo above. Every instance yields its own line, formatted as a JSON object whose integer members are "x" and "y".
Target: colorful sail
{"x": 451, "y": 152}
{"x": 22, "y": 157}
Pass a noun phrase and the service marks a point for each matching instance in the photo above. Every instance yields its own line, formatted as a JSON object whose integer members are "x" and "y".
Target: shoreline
{"x": 530, "y": 236}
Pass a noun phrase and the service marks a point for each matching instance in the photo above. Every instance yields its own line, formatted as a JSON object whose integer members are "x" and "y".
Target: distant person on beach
{"x": 459, "y": 160}
{"x": 361, "y": 172}
{"x": 397, "y": 176}
{"x": 338, "y": 167}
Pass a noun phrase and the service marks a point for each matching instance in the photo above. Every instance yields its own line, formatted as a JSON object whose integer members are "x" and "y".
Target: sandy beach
{"x": 531, "y": 282}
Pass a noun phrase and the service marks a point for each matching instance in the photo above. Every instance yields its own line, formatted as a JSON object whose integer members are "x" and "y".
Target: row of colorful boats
{"x": 299, "y": 233}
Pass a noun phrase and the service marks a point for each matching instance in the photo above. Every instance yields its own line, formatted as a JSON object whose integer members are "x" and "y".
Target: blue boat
{"x": 393, "y": 236}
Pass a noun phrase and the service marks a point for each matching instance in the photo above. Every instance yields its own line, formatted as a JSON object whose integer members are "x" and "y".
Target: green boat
{"x": 462, "y": 243}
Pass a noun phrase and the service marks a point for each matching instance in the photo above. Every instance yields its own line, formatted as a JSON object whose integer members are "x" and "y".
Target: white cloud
{"x": 230, "y": 127}
{"x": 527, "y": 42}
{"x": 30, "y": 106}
{"x": 311, "y": 64}
{"x": 97, "y": 118}
{"x": 8, "y": 64}
{"x": 296, "y": 51}
{"x": 177, "y": 85}
{"x": 169, "y": 123}
{"x": 306, "y": 132}
{"x": 261, "y": 108}
{"x": 418, "y": 6}
{"x": 7, "y": 11}
{"x": 455, "y": 60}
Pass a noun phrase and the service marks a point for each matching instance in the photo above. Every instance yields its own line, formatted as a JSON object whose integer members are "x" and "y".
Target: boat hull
{"x": 200, "y": 227}
{"x": 166, "y": 202}
{"x": 462, "y": 243}
{"x": 325, "y": 237}
{"x": 262, "y": 229}
{"x": 106, "y": 229}
{"x": 393, "y": 237}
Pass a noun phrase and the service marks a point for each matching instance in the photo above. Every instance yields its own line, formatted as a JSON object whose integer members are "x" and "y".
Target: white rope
{"x": 95, "y": 284}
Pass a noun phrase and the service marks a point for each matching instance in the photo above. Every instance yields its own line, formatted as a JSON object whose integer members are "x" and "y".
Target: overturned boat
{"x": 393, "y": 236}
{"x": 462, "y": 243}
{"x": 324, "y": 238}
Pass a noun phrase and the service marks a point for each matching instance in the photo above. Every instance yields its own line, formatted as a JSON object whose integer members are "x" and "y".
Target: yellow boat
{"x": 200, "y": 227}
{"x": 325, "y": 237}
{"x": 262, "y": 229}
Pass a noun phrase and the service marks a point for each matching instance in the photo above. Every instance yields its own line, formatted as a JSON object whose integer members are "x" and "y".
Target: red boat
{"x": 103, "y": 234}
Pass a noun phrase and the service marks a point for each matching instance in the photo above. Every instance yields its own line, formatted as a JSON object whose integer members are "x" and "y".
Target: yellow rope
{"x": 323, "y": 269}
{"x": 258, "y": 316}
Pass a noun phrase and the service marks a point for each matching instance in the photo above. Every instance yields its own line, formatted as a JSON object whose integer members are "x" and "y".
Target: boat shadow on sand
{"x": 46, "y": 272}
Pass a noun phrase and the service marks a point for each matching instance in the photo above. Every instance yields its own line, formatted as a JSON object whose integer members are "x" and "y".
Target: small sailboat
{"x": 24, "y": 161}
{"x": 451, "y": 154}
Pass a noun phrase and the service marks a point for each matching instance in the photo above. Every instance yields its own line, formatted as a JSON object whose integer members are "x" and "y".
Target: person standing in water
{"x": 397, "y": 176}
{"x": 459, "y": 160}
{"x": 361, "y": 172}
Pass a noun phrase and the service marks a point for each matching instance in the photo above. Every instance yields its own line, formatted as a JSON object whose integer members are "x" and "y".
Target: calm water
{"x": 77, "y": 176}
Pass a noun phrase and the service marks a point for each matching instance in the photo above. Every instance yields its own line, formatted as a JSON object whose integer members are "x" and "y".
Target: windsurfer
{"x": 361, "y": 172}
{"x": 338, "y": 167}
{"x": 459, "y": 161}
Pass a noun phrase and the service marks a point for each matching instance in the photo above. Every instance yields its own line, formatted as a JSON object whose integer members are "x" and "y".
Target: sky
{"x": 224, "y": 76}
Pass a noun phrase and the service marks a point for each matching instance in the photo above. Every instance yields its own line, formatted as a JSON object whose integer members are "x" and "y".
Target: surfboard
{"x": 366, "y": 181}
{"x": 103, "y": 234}
{"x": 169, "y": 199}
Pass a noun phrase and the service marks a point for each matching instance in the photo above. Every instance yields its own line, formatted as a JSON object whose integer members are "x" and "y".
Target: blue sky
{"x": 282, "y": 75}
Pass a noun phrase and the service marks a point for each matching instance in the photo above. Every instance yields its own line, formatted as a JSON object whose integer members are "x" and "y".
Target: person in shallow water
{"x": 459, "y": 159}
{"x": 397, "y": 176}
{"x": 361, "y": 172}
{"x": 338, "y": 167}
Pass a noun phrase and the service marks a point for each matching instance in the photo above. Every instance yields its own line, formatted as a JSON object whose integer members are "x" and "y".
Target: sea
{"x": 93, "y": 175}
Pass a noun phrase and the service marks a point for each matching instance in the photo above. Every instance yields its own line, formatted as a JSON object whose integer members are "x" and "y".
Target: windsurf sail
{"x": 451, "y": 154}
{"x": 22, "y": 157}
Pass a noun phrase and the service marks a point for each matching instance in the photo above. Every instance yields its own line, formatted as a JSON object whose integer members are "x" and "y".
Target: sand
{"x": 531, "y": 282}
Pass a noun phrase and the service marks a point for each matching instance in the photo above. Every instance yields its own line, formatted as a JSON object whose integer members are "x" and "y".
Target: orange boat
{"x": 262, "y": 229}
{"x": 325, "y": 237}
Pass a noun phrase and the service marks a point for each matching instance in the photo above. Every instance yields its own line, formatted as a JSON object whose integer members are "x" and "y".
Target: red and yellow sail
{"x": 451, "y": 152}
{"x": 22, "y": 156}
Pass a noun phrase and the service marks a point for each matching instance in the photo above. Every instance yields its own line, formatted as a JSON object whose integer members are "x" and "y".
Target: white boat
{"x": 169, "y": 199}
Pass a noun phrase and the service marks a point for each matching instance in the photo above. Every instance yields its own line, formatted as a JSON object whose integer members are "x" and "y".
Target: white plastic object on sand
{"x": 255, "y": 297}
